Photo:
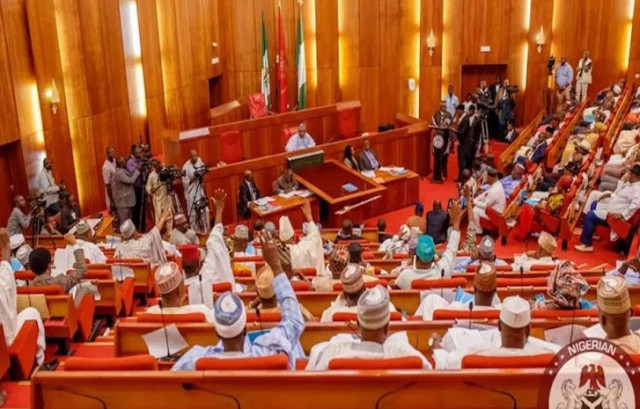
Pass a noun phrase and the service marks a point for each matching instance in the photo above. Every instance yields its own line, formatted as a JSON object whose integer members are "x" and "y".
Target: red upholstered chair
{"x": 128, "y": 363}
{"x": 562, "y": 314}
{"x": 22, "y": 352}
{"x": 24, "y": 275}
{"x": 172, "y": 318}
{"x": 288, "y": 133}
{"x": 367, "y": 284}
{"x": 301, "y": 364}
{"x": 441, "y": 283}
{"x": 400, "y": 256}
{"x": 518, "y": 282}
{"x": 465, "y": 315}
{"x": 231, "y": 147}
{"x": 4, "y": 354}
{"x": 300, "y": 286}
{"x": 271, "y": 362}
{"x": 45, "y": 289}
{"x": 368, "y": 255}
{"x": 247, "y": 259}
{"x": 252, "y": 316}
{"x": 308, "y": 271}
{"x": 636, "y": 310}
{"x": 507, "y": 362}
{"x": 408, "y": 362}
{"x": 257, "y": 106}
{"x": 347, "y": 123}
{"x": 86, "y": 312}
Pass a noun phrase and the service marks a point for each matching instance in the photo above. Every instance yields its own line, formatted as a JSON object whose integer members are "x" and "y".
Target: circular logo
{"x": 438, "y": 141}
{"x": 590, "y": 374}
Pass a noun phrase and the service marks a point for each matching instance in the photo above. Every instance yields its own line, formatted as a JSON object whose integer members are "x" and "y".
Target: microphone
{"x": 441, "y": 287}
{"x": 167, "y": 358}
{"x": 201, "y": 291}
{"x": 392, "y": 391}
{"x": 470, "y": 313}
{"x": 28, "y": 293}
{"x": 510, "y": 396}
{"x": 259, "y": 320}
{"x": 93, "y": 398}
{"x": 521, "y": 281}
{"x": 188, "y": 386}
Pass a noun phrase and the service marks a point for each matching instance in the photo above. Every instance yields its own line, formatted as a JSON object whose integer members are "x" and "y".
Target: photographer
{"x": 137, "y": 162}
{"x": 157, "y": 188}
{"x": 192, "y": 180}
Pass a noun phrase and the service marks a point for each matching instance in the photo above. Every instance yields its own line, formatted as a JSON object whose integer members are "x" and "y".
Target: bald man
{"x": 194, "y": 192}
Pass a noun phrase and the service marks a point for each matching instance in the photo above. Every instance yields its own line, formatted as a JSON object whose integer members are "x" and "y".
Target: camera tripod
{"x": 198, "y": 208}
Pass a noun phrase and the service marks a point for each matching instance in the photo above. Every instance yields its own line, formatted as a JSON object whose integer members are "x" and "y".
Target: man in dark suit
{"x": 464, "y": 138}
{"x": 368, "y": 160}
{"x": 248, "y": 193}
{"x": 437, "y": 223}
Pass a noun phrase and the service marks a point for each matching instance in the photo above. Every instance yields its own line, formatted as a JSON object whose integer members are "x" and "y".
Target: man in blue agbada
{"x": 231, "y": 318}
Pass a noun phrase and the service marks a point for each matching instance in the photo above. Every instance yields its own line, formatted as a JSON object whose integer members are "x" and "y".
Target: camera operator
{"x": 137, "y": 162}
{"x": 505, "y": 105}
{"x": 157, "y": 188}
{"x": 47, "y": 187}
{"x": 20, "y": 218}
{"x": 197, "y": 207}
{"x": 122, "y": 189}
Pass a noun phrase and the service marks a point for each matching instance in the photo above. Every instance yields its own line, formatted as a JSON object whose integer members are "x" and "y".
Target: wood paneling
{"x": 9, "y": 131}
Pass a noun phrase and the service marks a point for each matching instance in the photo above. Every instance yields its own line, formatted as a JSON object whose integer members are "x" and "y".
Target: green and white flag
{"x": 301, "y": 64}
{"x": 266, "y": 87}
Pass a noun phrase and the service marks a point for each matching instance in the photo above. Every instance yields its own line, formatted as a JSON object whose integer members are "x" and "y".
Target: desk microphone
{"x": 188, "y": 386}
{"x": 510, "y": 396}
{"x": 441, "y": 285}
{"x": 470, "y": 313}
{"x": 167, "y": 358}
{"x": 201, "y": 291}
{"x": 28, "y": 293}
{"x": 521, "y": 282}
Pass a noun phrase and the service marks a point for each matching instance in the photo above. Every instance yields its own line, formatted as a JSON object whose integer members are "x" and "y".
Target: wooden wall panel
{"x": 9, "y": 130}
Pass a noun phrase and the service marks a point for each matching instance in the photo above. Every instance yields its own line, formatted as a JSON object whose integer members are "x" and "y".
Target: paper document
{"x": 264, "y": 200}
{"x": 121, "y": 272}
{"x": 369, "y": 174}
{"x": 303, "y": 193}
{"x": 201, "y": 294}
{"x": 595, "y": 331}
{"x": 287, "y": 195}
{"x": 160, "y": 340}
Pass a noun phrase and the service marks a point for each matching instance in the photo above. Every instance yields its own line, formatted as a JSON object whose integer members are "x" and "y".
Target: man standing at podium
{"x": 441, "y": 120}
{"x": 300, "y": 140}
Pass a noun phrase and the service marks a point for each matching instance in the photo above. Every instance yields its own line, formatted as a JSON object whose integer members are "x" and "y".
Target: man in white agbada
{"x": 148, "y": 247}
{"x": 171, "y": 287}
{"x": 47, "y": 186}
{"x": 308, "y": 252}
{"x": 398, "y": 243}
{"x": 64, "y": 258}
{"x": 494, "y": 198}
{"x": 426, "y": 266}
{"x": 11, "y": 320}
{"x": 300, "y": 140}
{"x": 484, "y": 297}
{"x": 194, "y": 192}
{"x": 511, "y": 338}
{"x": 182, "y": 234}
{"x": 216, "y": 267}
{"x": 375, "y": 341}
{"x": 20, "y": 251}
{"x": 542, "y": 255}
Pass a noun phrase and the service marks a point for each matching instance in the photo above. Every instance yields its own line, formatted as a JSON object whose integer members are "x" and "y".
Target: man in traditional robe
{"x": 300, "y": 140}
{"x": 542, "y": 255}
{"x": 194, "y": 192}
{"x": 494, "y": 198}
{"x": 511, "y": 182}
{"x": 182, "y": 233}
{"x": 148, "y": 247}
{"x": 159, "y": 193}
{"x": 614, "y": 306}
{"x": 309, "y": 251}
{"x": 83, "y": 239}
{"x": 108, "y": 175}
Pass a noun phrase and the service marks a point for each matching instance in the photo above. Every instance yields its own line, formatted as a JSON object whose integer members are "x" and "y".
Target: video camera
{"x": 201, "y": 171}
{"x": 169, "y": 174}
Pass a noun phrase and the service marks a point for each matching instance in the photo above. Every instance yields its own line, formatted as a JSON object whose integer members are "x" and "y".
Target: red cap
{"x": 190, "y": 252}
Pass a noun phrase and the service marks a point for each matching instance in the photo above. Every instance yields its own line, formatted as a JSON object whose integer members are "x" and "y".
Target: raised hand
{"x": 270, "y": 252}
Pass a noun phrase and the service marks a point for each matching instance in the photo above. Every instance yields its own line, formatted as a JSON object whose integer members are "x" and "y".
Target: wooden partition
{"x": 556, "y": 148}
{"x": 262, "y": 136}
{"x": 506, "y": 158}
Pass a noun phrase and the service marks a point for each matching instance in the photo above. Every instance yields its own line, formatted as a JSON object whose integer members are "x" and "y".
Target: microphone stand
{"x": 169, "y": 357}
{"x": 470, "y": 313}
{"x": 441, "y": 287}
{"x": 201, "y": 291}
{"x": 521, "y": 282}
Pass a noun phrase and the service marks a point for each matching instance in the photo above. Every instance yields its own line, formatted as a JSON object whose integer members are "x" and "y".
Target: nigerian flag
{"x": 266, "y": 87}
{"x": 301, "y": 64}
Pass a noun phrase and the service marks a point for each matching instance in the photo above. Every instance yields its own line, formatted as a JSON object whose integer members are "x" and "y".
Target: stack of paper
{"x": 369, "y": 174}
{"x": 264, "y": 200}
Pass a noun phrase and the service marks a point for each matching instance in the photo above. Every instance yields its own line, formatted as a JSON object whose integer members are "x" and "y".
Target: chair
{"x": 440, "y": 283}
{"x": 231, "y": 147}
{"x": 367, "y": 284}
{"x": 300, "y": 286}
{"x": 287, "y": 133}
{"x": 563, "y": 314}
{"x": 347, "y": 123}
{"x": 506, "y": 362}
{"x": 22, "y": 352}
{"x": 171, "y": 318}
{"x": 465, "y": 315}
{"x": 252, "y": 316}
{"x": 129, "y": 363}
{"x": 271, "y": 362}
{"x": 407, "y": 362}
{"x": 257, "y": 106}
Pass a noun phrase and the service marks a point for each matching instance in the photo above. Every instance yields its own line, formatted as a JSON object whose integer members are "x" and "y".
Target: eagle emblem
{"x": 592, "y": 392}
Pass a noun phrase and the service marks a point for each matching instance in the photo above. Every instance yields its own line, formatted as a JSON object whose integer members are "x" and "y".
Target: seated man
{"x": 614, "y": 306}
{"x": 249, "y": 192}
{"x": 368, "y": 159}
{"x": 309, "y": 251}
{"x": 50, "y": 227}
{"x": 40, "y": 263}
{"x": 148, "y": 247}
{"x": 182, "y": 233}
{"x": 511, "y": 182}
{"x": 230, "y": 318}
{"x": 511, "y": 338}
{"x": 300, "y": 140}
{"x": 483, "y": 254}
{"x": 484, "y": 298}
{"x": 626, "y": 139}
{"x": 381, "y": 224}
{"x": 191, "y": 260}
{"x": 426, "y": 266}
{"x": 374, "y": 341}
{"x": 352, "y": 288}
{"x": 10, "y": 319}
{"x": 347, "y": 232}
{"x": 84, "y": 239}
{"x": 20, "y": 251}
{"x": 418, "y": 220}
{"x": 630, "y": 269}
{"x": 494, "y": 197}
{"x": 621, "y": 204}
{"x": 173, "y": 294}
{"x": 437, "y": 223}
{"x": 242, "y": 247}
{"x": 398, "y": 243}
{"x": 542, "y": 255}
{"x": 266, "y": 301}
{"x": 338, "y": 261}
{"x": 285, "y": 183}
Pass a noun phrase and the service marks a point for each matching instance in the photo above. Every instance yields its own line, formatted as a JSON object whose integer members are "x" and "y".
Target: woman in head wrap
{"x": 565, "y": 288}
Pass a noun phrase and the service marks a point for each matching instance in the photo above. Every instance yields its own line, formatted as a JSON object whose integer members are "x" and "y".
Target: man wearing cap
{"x": 621, "y": 204}
{"x": 484, "y": 297}
{"x": 266, "y": 301}
{"x": 494, "y": 197}
{"x": 159, "y": 193}
{"x": 338, "y": 262}
{"x": 426, "y": 266}
{"x": 19, "y": 248}
{"x": 374, "y": 340}
{"x": 300, "y": 140}
{"x": 242, "y": 247}
{"x": 614, "y": 308}
{"x": 64, "y": 259}
{"x": 542, "y": 255}
{"x": 398, "y": 243}
{"x": 171, "y": 287}
{"x": 418, "y": 220}
{"x": 511, "y": 182}
{"x": 230, "y": 322}
{"x": 10, "y": 319}
{"x": 484, "y": 253}
{"x": 511, "y": 338}
{"x": 181, "y": 233}
{"x": 148, "y": 247}
{"x": 309, "y": 251}
{"x": 352, "y": 289}
{"x": 216, "y": 267}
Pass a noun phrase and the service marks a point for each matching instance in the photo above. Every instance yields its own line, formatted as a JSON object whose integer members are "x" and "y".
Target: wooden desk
{"x": 288, "y": 207}
{"x": 402, "y": 190}
{"x": 326, "y": 181}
